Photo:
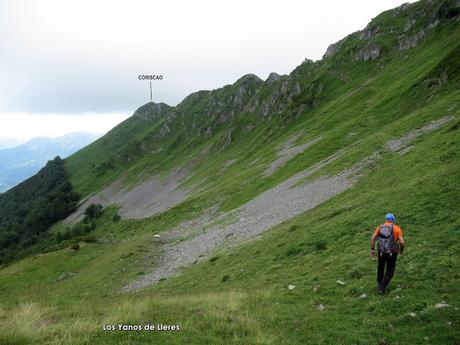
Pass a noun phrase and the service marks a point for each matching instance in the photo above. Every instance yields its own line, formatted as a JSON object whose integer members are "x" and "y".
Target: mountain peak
{"x": 151, "y": 110}
{"x": 249, "y": 78}
{"x": 273, "y": 77}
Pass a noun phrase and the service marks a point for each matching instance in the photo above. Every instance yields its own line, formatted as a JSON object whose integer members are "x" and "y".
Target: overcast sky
{"x": 70, "y": 65}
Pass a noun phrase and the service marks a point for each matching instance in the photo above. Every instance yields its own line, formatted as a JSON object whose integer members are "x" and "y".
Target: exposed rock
{"x": 284, "y": 87}
{"x": 222, "y": 118}
{"x": 228, "y": 137}
{"x": 273, "y": 77}
{"x": 165, "y": 129}
{"x": 407, "y": 139}
{"x": 307, "y": 61}
{"x": 150, "y": 197}
{"x": 399, "y": 10}
{"x": 151, "y": 111}
{"x": 277, "y": 102}
{"x": 287, "y": 152}
{"x": 192, "y": 227}
{"x": 410, "y": 23}
{"x": 370, "y": 52}
{"x": 333, "y": 48}
{"x": 412, "y": 41}
{"x": 320, "y": 306}
{"x": 363, "y": 296}
{"x": 441, "y": 305}
{"x": 406, "y": 150}
{"x": 369, "y": 31}
{"x": 433, "y": 24}
{"x": 291, "y": 287}
{"x": 296, "y": 89}
{"x": 240, "y": 93}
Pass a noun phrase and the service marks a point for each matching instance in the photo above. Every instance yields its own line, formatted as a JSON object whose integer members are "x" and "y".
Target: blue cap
{"x": 391, "y": 217}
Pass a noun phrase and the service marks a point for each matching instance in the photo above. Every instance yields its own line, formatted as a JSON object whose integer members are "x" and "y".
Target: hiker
{"x": 388, "y": 235}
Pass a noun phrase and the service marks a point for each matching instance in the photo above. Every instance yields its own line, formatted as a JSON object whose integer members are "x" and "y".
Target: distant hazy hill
{"x": 6, "y": 142}
{"x": 20, "y": 162}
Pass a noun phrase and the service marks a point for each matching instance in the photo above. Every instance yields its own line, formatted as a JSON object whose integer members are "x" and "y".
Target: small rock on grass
{"x": 413, "y": 314}
{"x": 320, "y": 306}
{"x": 291, "y": 287}
{"x": 441, "y": 305}
{"x": 363, "y": 296}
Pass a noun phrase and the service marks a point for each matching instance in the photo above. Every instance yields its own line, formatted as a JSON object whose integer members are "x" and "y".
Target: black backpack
{"x": 387, "y": 243}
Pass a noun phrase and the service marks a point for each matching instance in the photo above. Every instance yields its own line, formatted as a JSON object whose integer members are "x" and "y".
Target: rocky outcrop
{"x": 370, "y": 31}
{"x": 228, "y": 137}
{"x": 273, "y": 77}
{"x": 409, "y": 25}
{"x": 369, "y": 52}
{"x": 332, "y": 49}
{"x": 419, "y": 19}
{"x": 249, "y": 79}
{"x": 412, "y": 41}
{"x": 401, "y": 9}
{"x": 151, "y": 111}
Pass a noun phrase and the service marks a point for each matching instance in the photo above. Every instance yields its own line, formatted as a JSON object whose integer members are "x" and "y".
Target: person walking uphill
{"x": 390, "y": 243}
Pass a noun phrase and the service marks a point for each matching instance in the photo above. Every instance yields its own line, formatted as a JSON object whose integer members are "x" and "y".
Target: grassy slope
{"x": 253, "y": 305}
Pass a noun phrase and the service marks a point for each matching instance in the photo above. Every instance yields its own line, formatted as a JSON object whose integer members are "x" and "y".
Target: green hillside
{"x": 379, "y": 112}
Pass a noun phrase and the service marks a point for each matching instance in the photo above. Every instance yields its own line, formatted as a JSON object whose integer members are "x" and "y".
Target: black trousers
{"x": 383, "y": 278}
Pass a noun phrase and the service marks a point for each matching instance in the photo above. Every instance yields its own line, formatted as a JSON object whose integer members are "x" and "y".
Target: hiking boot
{"x": 381, "y": 290}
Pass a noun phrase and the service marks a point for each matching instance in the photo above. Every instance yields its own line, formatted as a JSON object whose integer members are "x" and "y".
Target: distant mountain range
{"x": 6, "y": 142}
{"x": 20, "y": 162}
